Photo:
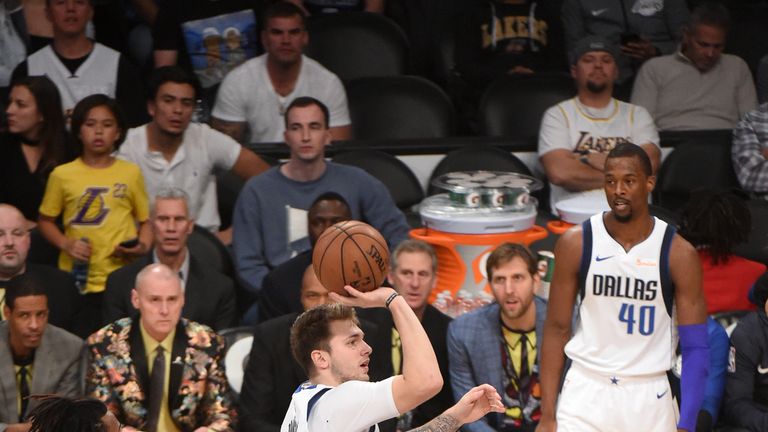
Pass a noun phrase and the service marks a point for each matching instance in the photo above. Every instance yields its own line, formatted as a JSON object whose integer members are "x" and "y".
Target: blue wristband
{"x": 694, "y": 345}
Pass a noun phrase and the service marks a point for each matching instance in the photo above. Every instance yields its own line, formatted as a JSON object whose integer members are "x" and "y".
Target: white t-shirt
{"x": 202, "y": 151}
{"x": 247, "y": 95}
{"x": 575, "y": 127}
{"x": 354, "y": 406}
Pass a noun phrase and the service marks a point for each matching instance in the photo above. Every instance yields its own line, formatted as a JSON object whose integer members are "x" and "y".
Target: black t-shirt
{"x": 18, "y": 186}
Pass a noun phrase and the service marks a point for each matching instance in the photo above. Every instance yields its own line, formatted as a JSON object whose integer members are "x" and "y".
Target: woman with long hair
{"x": 35, "y": 144}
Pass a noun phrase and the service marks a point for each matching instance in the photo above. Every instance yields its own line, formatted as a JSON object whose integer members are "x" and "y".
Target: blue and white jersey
{"x": 625, "y": 322}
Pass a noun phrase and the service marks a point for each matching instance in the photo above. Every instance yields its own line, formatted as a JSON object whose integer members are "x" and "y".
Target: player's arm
{"x": 685, "y": 271}
{"x": 557, "y": 327}
{"x": 421, "y": 377}
{"x": 234, "y": 129}
{"x": 248, "y": 164}
{"x": 475, "y": 404}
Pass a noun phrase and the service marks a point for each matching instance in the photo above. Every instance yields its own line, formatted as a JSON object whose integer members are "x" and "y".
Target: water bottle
{"x": 201, "y": 114}
{"x": 80, "y": 271}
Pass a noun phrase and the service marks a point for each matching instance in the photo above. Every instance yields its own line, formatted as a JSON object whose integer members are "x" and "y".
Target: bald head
{"x": 14, "y": 241}
{"x": 159, "y": 298}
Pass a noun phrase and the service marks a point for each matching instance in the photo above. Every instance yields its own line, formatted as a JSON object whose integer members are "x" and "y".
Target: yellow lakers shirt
{"x": 101, "y": 204}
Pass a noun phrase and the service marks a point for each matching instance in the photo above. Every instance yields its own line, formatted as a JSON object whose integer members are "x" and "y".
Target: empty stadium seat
{"x": 399, "y": 107}
{"x": 238, "y": 341}
{"x": 396, "y": 176}
{"x": 512, "y": 106}
{"x": 355, "y": 45}
{"x": 699, "y": 163}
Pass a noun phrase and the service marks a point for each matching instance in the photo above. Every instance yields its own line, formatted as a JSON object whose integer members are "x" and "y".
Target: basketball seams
{"x": 365, "y": 259}
{"x": 338, "y": 231}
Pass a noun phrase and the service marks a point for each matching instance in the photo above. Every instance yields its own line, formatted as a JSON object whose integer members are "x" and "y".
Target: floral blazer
{"x": 198, "y": 392}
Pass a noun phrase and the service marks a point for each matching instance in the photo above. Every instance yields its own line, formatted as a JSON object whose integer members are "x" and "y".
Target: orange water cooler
{"x": 464, "y": 237}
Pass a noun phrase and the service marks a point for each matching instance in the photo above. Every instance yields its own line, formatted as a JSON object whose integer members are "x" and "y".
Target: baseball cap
{"x": 593, "y": 43}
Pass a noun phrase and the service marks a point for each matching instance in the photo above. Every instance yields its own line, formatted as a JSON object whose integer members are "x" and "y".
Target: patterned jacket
{"x": 199, "y": 394}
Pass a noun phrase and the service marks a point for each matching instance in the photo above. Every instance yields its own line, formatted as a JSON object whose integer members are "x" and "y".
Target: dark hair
{"x": 85, "y": 106}
{"x": 62, "y": 414}
{"x": 24, "y": 285}
{"x": 716, "y": 221}
{"x": 53, "y": 132}
{"x": 505, "y": 253}
{"x": 312, "y": 330}
{"x": 172, "y": 74}
{"x": 305, "y": 101}
{"x": 628, "y": 150}
{"x": 710, "y": 13}
{"x": 330, "y": 196}
{"x": 282, "y": 9}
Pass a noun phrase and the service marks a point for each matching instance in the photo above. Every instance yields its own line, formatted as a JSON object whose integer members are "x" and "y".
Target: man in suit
{"x": 500, "y": 343}
{"x": 35, "y": 357}
{"x": 209, "y": 296}
{"x": 160, "y": 372}
{"x": 413, "y": 274}
{"x": 64, "y": 300}
{"x": 279, "y": 293}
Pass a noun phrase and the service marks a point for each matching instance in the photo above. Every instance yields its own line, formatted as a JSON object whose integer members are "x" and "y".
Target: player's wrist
{"x": 390, "y": 298}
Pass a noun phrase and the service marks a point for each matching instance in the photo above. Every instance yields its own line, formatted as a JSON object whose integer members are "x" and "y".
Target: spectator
{"x": 80, "y": 66}
{"x": 37, "y": 357}
{"x": 64, "y": 300}
{"x": 173, "y": 151}
{"x": 509, "y": 363}
{"x": 315, "y": 7}
{"x": 645, "y": 29}
{"x": 279, "y": 293}
{"x": 714, "y": 223}
{"x": 283, "y": 194}
{"x": 697, "y": 87}
{"x": 102, "y": 202}
{"x": 577, "y": 134}
{"x": 413, "y": 274}
{"x": 62, "y": 414}
{"x": 35, "y": 146}
{"x": 746, "y": 389}
{"x": 272, "y": 375}
{"x": 508, "y": 38}
{"x": 209, "y": 296}
{"x": 255, "y": 96}
{"x": 750, "y": 151}
{"x": 164, "y": 372}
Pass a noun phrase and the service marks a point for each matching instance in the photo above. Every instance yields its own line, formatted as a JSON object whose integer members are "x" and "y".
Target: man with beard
{"x": 172, "y": 151}
{"x": 577, "y": 134}
{"x": 635, "y": 279}
{"x": 501, "y": 342}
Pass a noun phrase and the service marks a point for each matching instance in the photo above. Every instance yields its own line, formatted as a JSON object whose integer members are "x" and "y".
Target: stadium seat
{"x": 699, "y": 163}
{"x": 399, "y": 107}
{"x": 238, "y": 341}
{"x": 355, "y": 45}
{"x": 512, "y": 106}
{"x": 756, "y": 247}
{"x": 396, "y": 176}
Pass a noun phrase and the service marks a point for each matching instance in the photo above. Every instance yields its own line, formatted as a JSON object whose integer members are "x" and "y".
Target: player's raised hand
{"x": 370, "y": 299}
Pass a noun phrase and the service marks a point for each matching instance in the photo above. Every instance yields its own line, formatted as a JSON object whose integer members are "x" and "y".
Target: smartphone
{"x": 132, "y": 243}
{"x": 629, "y": 38}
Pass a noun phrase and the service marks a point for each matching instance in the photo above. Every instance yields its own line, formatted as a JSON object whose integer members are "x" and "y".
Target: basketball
{"x": 350, "y": 253}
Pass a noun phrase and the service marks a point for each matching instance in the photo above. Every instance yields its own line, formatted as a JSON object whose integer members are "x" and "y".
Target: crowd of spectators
{"x": 107, "y": 154}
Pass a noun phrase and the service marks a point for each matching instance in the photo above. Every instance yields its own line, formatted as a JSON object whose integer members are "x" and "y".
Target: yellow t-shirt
{"x": 165, "y": 421}
{"x": 101, "y": 204}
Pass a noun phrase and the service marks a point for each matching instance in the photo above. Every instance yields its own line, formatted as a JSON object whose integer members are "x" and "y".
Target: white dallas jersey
{"x": 575, "y": 127}
{"x": 625, "y": 324}
{"x": 303, "y": 400}
{"x": 97, "y": 74}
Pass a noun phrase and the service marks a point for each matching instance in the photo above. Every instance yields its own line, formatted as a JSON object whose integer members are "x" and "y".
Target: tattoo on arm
{"x": 441, "y": 423}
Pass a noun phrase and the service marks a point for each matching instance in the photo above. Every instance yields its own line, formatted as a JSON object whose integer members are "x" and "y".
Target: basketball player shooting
{"x": 635, "y": 279}
{"x": 328, "y": 343}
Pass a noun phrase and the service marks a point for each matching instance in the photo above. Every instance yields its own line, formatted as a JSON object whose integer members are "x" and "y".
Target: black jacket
{"x": 746, "y": 391}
